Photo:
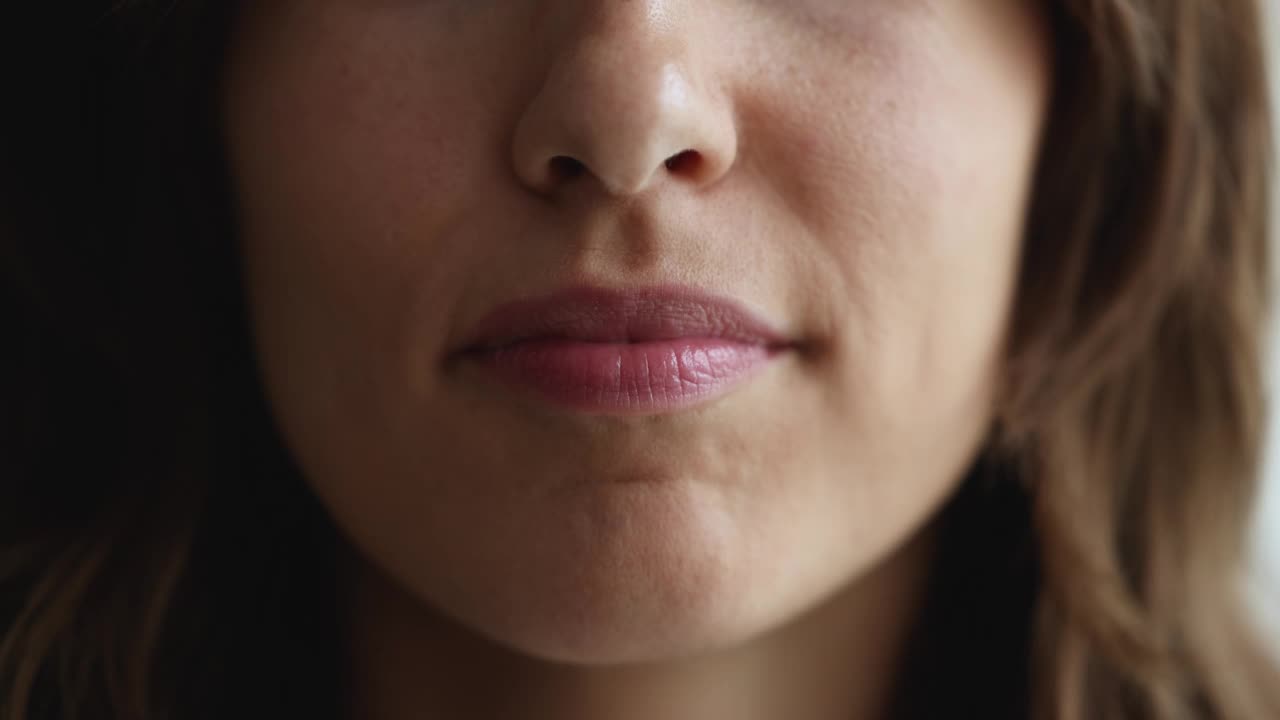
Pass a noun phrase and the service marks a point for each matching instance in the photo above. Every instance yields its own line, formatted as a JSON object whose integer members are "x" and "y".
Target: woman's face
{"x": 618, "y": 330}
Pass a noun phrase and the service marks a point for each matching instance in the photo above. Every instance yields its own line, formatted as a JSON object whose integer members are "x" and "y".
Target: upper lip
{"x": 591, "y": 314}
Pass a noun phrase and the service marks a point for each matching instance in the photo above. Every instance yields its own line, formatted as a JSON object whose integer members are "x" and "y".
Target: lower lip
{"x": 628, "y": 378}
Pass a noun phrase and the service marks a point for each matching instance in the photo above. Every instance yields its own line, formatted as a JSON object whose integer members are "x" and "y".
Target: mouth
{"x": 641, "y": 352}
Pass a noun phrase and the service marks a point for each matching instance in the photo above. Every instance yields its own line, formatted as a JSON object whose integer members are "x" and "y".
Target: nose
{"x": 627, "y": 101}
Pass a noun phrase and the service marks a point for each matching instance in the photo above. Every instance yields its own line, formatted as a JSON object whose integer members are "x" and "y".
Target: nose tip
{"x": 626, "y": 113}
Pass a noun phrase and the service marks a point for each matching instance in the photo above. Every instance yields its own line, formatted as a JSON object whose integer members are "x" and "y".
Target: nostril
{"x": 686, "y": 161}
{"x": 564, "y": 167}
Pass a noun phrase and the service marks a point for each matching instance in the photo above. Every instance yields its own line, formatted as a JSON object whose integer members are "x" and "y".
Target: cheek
{"x": 910, "y": 165}
{"x": 355, "y": 164}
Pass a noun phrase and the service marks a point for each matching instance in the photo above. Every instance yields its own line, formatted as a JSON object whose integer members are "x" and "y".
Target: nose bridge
{"x": 628, "y": 51}
{"x": 623, "y": 97}
{"x": 619, "y": 19}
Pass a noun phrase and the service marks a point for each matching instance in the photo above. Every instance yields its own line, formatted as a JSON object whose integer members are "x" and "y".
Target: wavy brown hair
{"x": 161, "y": 557}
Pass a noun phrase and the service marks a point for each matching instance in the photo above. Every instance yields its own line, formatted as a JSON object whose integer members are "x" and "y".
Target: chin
{"x": 620, "y": 573}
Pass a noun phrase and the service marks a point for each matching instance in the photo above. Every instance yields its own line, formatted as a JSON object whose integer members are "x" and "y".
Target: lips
{"x": 640, "y": 352}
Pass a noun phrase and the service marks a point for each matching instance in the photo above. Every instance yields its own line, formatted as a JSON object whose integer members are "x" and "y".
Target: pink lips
{"x": 624, "y": 353}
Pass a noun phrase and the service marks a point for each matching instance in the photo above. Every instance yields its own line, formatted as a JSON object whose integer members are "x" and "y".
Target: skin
{"x": 860, "y": 177}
